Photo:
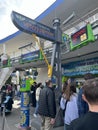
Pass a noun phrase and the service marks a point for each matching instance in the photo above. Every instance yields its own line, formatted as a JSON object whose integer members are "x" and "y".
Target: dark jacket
{"x": 82, "y": 105}
{"x": 33, "y": 95}
{"x": 47, "y": 105}
{"x": 87, "y": 122}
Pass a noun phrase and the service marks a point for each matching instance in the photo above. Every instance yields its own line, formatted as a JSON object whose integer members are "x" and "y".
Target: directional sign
{"x": 30, "y": 26}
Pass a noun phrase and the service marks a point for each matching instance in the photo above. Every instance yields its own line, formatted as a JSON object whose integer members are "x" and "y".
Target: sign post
{"x": 54, "y": 34}
{"x": 25, "y": 101}
{"x": 56, "y": 55}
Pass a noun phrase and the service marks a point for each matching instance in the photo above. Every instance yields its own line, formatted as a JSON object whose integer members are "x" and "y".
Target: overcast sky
{"x": 29, "y": 8}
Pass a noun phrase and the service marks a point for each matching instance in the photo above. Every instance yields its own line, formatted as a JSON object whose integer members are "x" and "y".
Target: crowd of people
{"x": 80, "y": 107}
{"x": 7, "y": 94}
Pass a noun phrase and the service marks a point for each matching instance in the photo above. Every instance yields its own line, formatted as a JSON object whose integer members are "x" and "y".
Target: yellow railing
{"x": 45, "y": 58}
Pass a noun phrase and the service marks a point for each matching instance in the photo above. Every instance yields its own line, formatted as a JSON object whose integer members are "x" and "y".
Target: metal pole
{"x": 3, "y": 122}
{"x": 56, "y": 55}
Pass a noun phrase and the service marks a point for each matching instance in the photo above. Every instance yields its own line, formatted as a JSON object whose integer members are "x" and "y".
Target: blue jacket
{"x": 82, "y": 105}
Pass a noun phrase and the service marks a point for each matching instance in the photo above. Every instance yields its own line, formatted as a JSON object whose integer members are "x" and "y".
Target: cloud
{"x": 29, "y": 8}
{"x": 3, "y": 9}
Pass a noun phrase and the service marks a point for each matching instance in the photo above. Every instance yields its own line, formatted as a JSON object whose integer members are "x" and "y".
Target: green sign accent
{"x": 6, "y": 63}
{"x": 82, "y": 37}
{"x": 41, "y": 56}
{"x": 25, "y": 85}
{"x": 65, "y": 38}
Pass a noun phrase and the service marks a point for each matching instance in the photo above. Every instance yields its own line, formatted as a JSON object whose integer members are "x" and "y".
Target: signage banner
{"x": 81, "y": 67}
{"x": 31, "y": 56}
{"x": 25, "y": 98}
{"x": 30, "y": 26}
{"x": 82, "y": 37}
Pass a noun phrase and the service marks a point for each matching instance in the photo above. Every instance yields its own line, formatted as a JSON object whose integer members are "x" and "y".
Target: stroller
{"x": 6, "y": 104}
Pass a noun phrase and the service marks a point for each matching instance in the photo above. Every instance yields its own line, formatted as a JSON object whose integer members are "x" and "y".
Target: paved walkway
{"x": 35, "y": 123}
{"x": 12, "y": 121}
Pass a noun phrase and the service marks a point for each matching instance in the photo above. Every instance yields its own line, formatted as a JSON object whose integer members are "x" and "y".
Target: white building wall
{"x": 42, "y": 75}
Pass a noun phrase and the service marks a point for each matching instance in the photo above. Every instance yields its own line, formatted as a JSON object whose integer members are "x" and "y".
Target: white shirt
{"x": 71, "y": 111}
{"x": 38, "y": 93}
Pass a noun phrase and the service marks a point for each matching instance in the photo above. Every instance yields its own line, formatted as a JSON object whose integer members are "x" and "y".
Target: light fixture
{"x": 69, "y": 18}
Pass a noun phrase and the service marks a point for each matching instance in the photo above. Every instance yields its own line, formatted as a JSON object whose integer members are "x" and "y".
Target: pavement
{"x": 12, "y": 121}
{"x": 35, "y": 123}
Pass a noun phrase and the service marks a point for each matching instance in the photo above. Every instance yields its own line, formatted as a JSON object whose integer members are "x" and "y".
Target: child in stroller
{"x": 7, "y": 102}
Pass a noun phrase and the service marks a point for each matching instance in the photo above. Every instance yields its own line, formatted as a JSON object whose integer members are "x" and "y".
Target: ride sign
{"x": 30, "y": 26}
{"x": 82, "y": 37}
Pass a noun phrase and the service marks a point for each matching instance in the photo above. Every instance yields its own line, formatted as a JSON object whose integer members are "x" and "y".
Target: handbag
{"x": 59, "y": 119}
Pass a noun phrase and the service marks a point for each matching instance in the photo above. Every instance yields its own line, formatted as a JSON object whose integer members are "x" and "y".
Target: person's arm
{"x": 52, "y": 121}
{"x": 51, "y": 104}
{"x": 62, "y": 103}
{"x": 37, "y": 93}
{"x": 32, "y": 89}
{"x": 7, "y": 98}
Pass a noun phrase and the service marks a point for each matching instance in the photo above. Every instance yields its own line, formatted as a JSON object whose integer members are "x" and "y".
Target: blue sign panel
{"x": 30, "y": 26}
{"x": 23, "y": 83}
{"x": 31, "y": 56}
{"x": 25, "y": 99}
{"x": 65, "y": 38}
{"x": 81, "y": 67}
{"x": 24, "y": 115}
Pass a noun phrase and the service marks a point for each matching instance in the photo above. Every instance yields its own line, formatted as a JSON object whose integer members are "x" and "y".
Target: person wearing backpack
{"x": 69, "y": 100}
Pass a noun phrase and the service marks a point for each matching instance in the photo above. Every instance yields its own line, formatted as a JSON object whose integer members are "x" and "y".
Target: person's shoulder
{"x": 81, "y": 90}
{"x": 74, "y": 96}
{"x": 49, "y": 91}
{"x": 38, "y": 89}
{"x": 44, "y": 90}
{"x": 48, "y": 88}
{"x": 76, "y": 123}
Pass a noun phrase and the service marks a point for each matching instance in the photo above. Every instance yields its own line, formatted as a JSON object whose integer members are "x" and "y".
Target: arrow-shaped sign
{"x": 30, "y": 26}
